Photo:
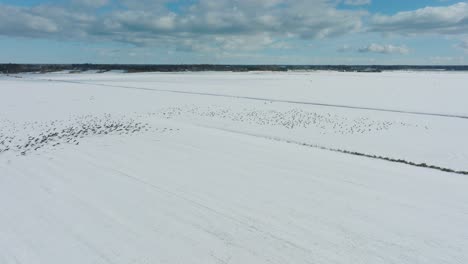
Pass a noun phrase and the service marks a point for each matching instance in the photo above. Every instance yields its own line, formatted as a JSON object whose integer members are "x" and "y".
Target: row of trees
{"x": 11, "y": 68}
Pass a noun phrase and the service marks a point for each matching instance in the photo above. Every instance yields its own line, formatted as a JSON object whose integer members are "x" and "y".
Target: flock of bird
{"x": 23, "y": 138}
{"x": 290, "y": 119}
{"x": 32, "y": 136}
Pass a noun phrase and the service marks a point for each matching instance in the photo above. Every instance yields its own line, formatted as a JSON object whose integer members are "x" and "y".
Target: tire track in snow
{"x": 248, "y": 226}
{"x": 271, "y": 100}
{"x": 343, "y": 151}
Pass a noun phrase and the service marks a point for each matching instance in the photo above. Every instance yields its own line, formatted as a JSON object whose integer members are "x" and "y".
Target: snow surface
{"x": 220, "y": 168}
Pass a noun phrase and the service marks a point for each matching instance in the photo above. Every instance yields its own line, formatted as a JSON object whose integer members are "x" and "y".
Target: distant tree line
{"x": 11, "y": 68}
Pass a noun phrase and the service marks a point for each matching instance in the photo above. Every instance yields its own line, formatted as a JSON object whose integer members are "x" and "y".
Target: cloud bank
{"x": 216, "y": 24}
{"x": 449, "y": 20}
{"x": 223, "y": 26}
{"x": 384, "y": 49}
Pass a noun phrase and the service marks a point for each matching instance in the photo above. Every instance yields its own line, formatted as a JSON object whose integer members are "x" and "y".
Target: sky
{"x": 424, "y": 32}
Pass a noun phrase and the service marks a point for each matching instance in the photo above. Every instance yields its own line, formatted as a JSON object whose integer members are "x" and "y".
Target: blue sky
{"x": 234, "y": 31}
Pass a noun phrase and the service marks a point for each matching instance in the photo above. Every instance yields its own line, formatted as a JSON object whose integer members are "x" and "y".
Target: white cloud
{"x": 91, "y": 3}
{"x": 429, "y": 20}
{"x": 463, "y": 45}
{"x": 345, "y": 48}
{"x": 15, "y": 21}
{"x": 384, "y": 49}
{"x": 441, "y": 60}
{"x": 210, "y": 23}
{"x": 357, "y": 2}
{"x": 225, "y": 25}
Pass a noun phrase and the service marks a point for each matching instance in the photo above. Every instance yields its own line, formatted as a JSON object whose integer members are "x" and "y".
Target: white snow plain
{"x": 233, "y": 168}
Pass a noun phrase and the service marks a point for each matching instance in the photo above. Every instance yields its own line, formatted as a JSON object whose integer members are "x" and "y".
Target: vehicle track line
{"x": 272, "y": 100}
{"x": 343, "y": 151}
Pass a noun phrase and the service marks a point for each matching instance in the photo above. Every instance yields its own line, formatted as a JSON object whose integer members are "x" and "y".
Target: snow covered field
{"x": 234, "y": 168}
